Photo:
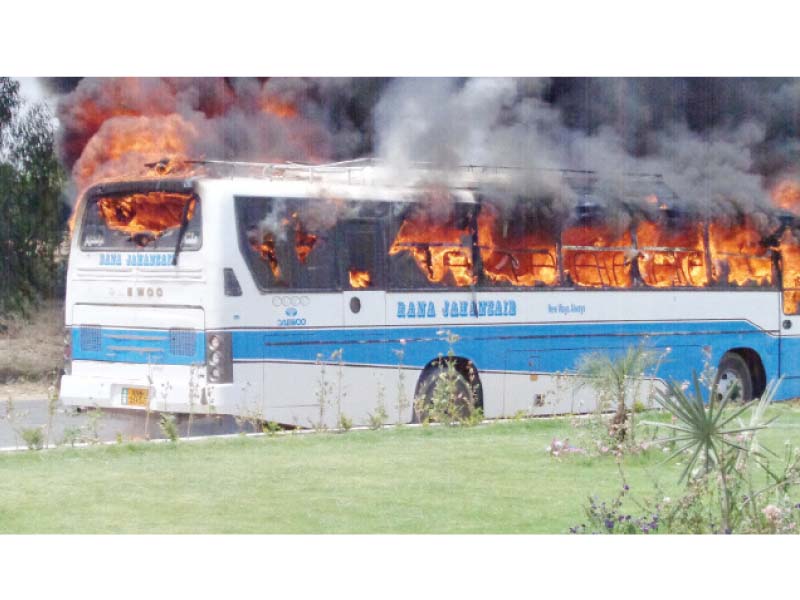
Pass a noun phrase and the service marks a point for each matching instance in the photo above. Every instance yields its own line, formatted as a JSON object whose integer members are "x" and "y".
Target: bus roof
{"x": 370, "y": 179}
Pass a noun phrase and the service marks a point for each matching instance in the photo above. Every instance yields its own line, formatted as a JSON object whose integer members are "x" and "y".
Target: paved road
{"x": 68, "y": 425}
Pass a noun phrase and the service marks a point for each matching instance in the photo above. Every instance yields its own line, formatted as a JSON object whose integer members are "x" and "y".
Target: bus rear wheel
{"x": 733, "y": 370}
{"x": 440, "y": 385}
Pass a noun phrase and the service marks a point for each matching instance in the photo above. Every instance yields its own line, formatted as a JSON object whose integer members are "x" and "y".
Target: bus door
{"x": 363, "y": 274}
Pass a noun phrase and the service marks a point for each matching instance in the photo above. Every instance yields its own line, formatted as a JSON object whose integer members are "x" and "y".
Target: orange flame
{"x": 278, "y": 108}
{"x": 265, "y": 247}
{"x": 671, "y": 257}
{"x": 124, "y": 146}
{"x": 596, "y": 256}
{"x": 437, "y": 249}
{"x": 786, "y": 195}
{"x": 738, "y": 256}
{"x": 665, "y": 254}
{"x": 790, "y": 259}
{"x": 522, "y": 260}
{"x": 303, "y": 241}
{"x": 153, "y": 212}
{"x": 113, "y": 128}
{"x": 359, "y": 279}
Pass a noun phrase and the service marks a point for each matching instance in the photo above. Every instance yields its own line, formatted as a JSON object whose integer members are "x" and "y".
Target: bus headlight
{"x": 219, "y": 357}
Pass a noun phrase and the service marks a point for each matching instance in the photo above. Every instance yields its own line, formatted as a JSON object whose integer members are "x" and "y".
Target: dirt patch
{"x": 23, "y": 392}
{"x": 32, "y": 350}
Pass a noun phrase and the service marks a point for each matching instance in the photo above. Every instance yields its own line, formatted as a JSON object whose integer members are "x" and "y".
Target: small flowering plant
{"x": 781, "y": 517}
{"x": 559, "y": 447}
{"x": 609, "y": 517}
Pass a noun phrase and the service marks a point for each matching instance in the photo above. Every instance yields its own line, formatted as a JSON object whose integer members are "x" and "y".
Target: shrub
{"x": 33, "y": 438}
{"x": 377, "y": 419}
{"x": 451, "y": 398}
{"x": 609, "y": 517}
{"x": 72, "y": 435}
{"x": 169, "y": 427}
{"x": 270, "y": 427}
{"x": 345, "y": 423}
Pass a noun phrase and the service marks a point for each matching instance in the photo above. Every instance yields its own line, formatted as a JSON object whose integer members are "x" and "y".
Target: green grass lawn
{"x": 495, "y": 478}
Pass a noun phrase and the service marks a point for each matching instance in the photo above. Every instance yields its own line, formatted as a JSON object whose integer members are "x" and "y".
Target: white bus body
{"x": 142, "y": 329}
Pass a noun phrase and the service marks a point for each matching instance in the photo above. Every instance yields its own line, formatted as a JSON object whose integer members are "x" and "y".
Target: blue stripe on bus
{"x": 139, "y": 346}
{"x": 502, "y": 347}
{"x": 513, "y": 348}
{"x": 541, "y": 348}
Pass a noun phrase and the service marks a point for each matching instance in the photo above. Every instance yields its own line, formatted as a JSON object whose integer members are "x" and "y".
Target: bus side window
{"x": 516, "y": 248}
{"x": 430, "y": 249}
{"x": 790, "y": 282}
{"x": 362, "y": 255}
{"x": 285, "y": 246}
{"x": 311, "y": 244}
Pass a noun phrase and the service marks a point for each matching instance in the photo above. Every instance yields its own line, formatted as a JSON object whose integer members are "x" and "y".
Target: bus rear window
{"x": 141, "y": 221}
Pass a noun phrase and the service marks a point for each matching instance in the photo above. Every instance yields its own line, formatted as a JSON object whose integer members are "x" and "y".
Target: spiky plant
{"x": 709, "y": 433}
{"x": 704, "y": 431}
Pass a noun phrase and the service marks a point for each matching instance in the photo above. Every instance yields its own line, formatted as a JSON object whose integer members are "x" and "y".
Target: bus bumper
{"x": 174, "y": 388}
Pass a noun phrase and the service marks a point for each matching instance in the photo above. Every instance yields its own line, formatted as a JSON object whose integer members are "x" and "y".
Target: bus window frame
{"x": 138, "y": 187}
{"x": 377, "y": 226}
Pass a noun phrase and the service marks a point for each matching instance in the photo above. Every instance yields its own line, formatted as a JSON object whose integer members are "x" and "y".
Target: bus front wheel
{"x": 733, "y": 370}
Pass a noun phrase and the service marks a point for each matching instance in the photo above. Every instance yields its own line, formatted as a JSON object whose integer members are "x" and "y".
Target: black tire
{"x": 467, "y": 398}
{"x": 733, "y": 368}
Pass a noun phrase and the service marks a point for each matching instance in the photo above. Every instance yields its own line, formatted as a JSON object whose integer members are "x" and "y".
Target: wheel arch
{"x": 758, "y": 375}
{"x": 464, "y": 365}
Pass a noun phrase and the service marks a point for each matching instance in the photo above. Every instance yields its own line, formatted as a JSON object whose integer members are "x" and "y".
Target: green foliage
{"x": 610, "y": 517}
{"x": 33, "y": 214}
{"x": 448, "y": 394}
{"x": 345, "y": 422}
{"x": 614, "y": 380}
{"x": 169, "y": 427}
{"x": 33, "y": 438}
{"x": 270, "y": 427}
{"x": 52, "y": 405}
{"x": 91, "y": 430}
{"x": 450, "y": 399}
{"x": 703, "y": 432}
{"x": 377, "y": 419}
{"x": 733, "y": 484}
{"x": 9, "y": 101}
{"x": 72, "y": 435}
{"x": 402, "y": 401}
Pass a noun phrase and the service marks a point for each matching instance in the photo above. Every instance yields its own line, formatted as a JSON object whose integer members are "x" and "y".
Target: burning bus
{"x": 300, "y": 293}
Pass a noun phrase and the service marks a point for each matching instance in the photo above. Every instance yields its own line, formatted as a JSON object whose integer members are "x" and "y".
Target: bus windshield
{"x": 141, "y": 221}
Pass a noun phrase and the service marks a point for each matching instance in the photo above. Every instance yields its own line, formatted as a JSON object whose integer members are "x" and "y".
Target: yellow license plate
{"x": 135, "y": 396}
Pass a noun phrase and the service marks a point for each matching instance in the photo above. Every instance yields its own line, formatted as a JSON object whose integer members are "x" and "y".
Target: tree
{"x": 31, "y": 211}
{"x": 9, "y": 101}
